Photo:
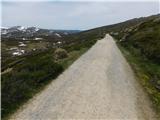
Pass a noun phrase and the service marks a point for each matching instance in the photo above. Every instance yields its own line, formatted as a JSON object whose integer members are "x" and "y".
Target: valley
{"x": 96, "y": 86}
{"x": 32, "y": 58}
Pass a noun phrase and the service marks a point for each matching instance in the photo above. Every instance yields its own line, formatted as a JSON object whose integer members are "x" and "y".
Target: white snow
{"x": 36, "y": 29}
{"x": 21, "y": 28}
{"x": 22, "y": 44}
{"x": 23, "y": 38}
{"x": 58, "y": 35}
{"x": 18, "y": 52}
{"x": 13, "y": 48}
{"x": 59, "y": 42}
{"x": 38, "y": 38}
{"x": 22, "y": 51}
{"x": 4, "y": 27}
{"x": 4, "y": 32}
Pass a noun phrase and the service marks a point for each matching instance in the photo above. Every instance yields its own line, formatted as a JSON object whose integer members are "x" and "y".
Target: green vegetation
{"x": 72, "y": 56}
{"x": 141, "y": 47}
{"x": 60, "y": 53}
{"x": 147, "y": 39}
{"x": 147, "y": 72}
{"x": 27, "y": 78}
{"x": 139, "y": 40}
{"x": 26, "y": 75}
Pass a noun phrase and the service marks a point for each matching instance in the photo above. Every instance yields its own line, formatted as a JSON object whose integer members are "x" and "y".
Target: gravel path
{"x": 99, "y": 85}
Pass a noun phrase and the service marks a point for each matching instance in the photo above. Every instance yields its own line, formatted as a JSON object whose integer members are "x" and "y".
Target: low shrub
{"x": 26, "y": 79}
{"x": 60, "y": 53}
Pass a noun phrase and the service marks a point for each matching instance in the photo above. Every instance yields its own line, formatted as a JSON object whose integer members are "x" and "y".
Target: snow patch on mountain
{"x": 58, "y": 35}
{"x": 21, "y": 28}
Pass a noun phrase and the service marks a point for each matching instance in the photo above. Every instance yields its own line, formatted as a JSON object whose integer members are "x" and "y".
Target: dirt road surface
{"x": 99, "y": 85}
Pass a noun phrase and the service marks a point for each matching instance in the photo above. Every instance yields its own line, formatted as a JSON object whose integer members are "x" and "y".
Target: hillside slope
{"x": 97, "y": 86}
{"x": 141, "y": 47}
{"x": 139, "y": 40}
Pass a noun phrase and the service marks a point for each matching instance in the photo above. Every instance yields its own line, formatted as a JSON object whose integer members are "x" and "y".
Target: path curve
{"x": 99, "y": 85}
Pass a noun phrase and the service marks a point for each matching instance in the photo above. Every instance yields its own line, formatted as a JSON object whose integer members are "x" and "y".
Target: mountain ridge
{"x": 22, "y": 32}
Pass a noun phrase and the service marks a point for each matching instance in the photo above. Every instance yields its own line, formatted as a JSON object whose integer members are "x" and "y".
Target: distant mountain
{"x": 20, "y": 32}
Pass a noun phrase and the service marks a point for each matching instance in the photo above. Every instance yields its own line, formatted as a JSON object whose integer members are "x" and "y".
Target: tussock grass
{"x": 147, "y": 73}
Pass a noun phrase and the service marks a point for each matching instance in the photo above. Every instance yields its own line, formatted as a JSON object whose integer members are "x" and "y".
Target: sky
{"x": 65, "y": 14}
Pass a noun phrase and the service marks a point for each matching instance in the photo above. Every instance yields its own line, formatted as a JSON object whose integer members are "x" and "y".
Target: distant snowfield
{"x": 26, "y": 32}
{"x": 58, "y": 35}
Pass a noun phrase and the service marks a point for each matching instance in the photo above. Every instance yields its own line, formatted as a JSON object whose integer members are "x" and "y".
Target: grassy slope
{"x": 25, "y": 79}
{"x": 141, "y": 48}
{"x": 147, "y": 39}
{"x": 145, "y": 71}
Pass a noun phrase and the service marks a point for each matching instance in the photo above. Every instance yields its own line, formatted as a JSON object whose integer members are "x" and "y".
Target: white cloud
{"x": 73, "y": 15}
{"x": 81, "y": 0}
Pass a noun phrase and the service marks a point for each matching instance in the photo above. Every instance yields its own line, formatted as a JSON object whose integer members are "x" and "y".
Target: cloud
{"x": 80, "y": 0}
{"x": 73, "y": 15}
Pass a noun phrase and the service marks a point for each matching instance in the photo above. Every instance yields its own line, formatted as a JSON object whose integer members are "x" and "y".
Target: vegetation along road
{"x": 99, "y": 85}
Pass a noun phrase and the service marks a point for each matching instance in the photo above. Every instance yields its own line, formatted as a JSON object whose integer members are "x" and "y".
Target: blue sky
{"x": 72, "y": 15}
